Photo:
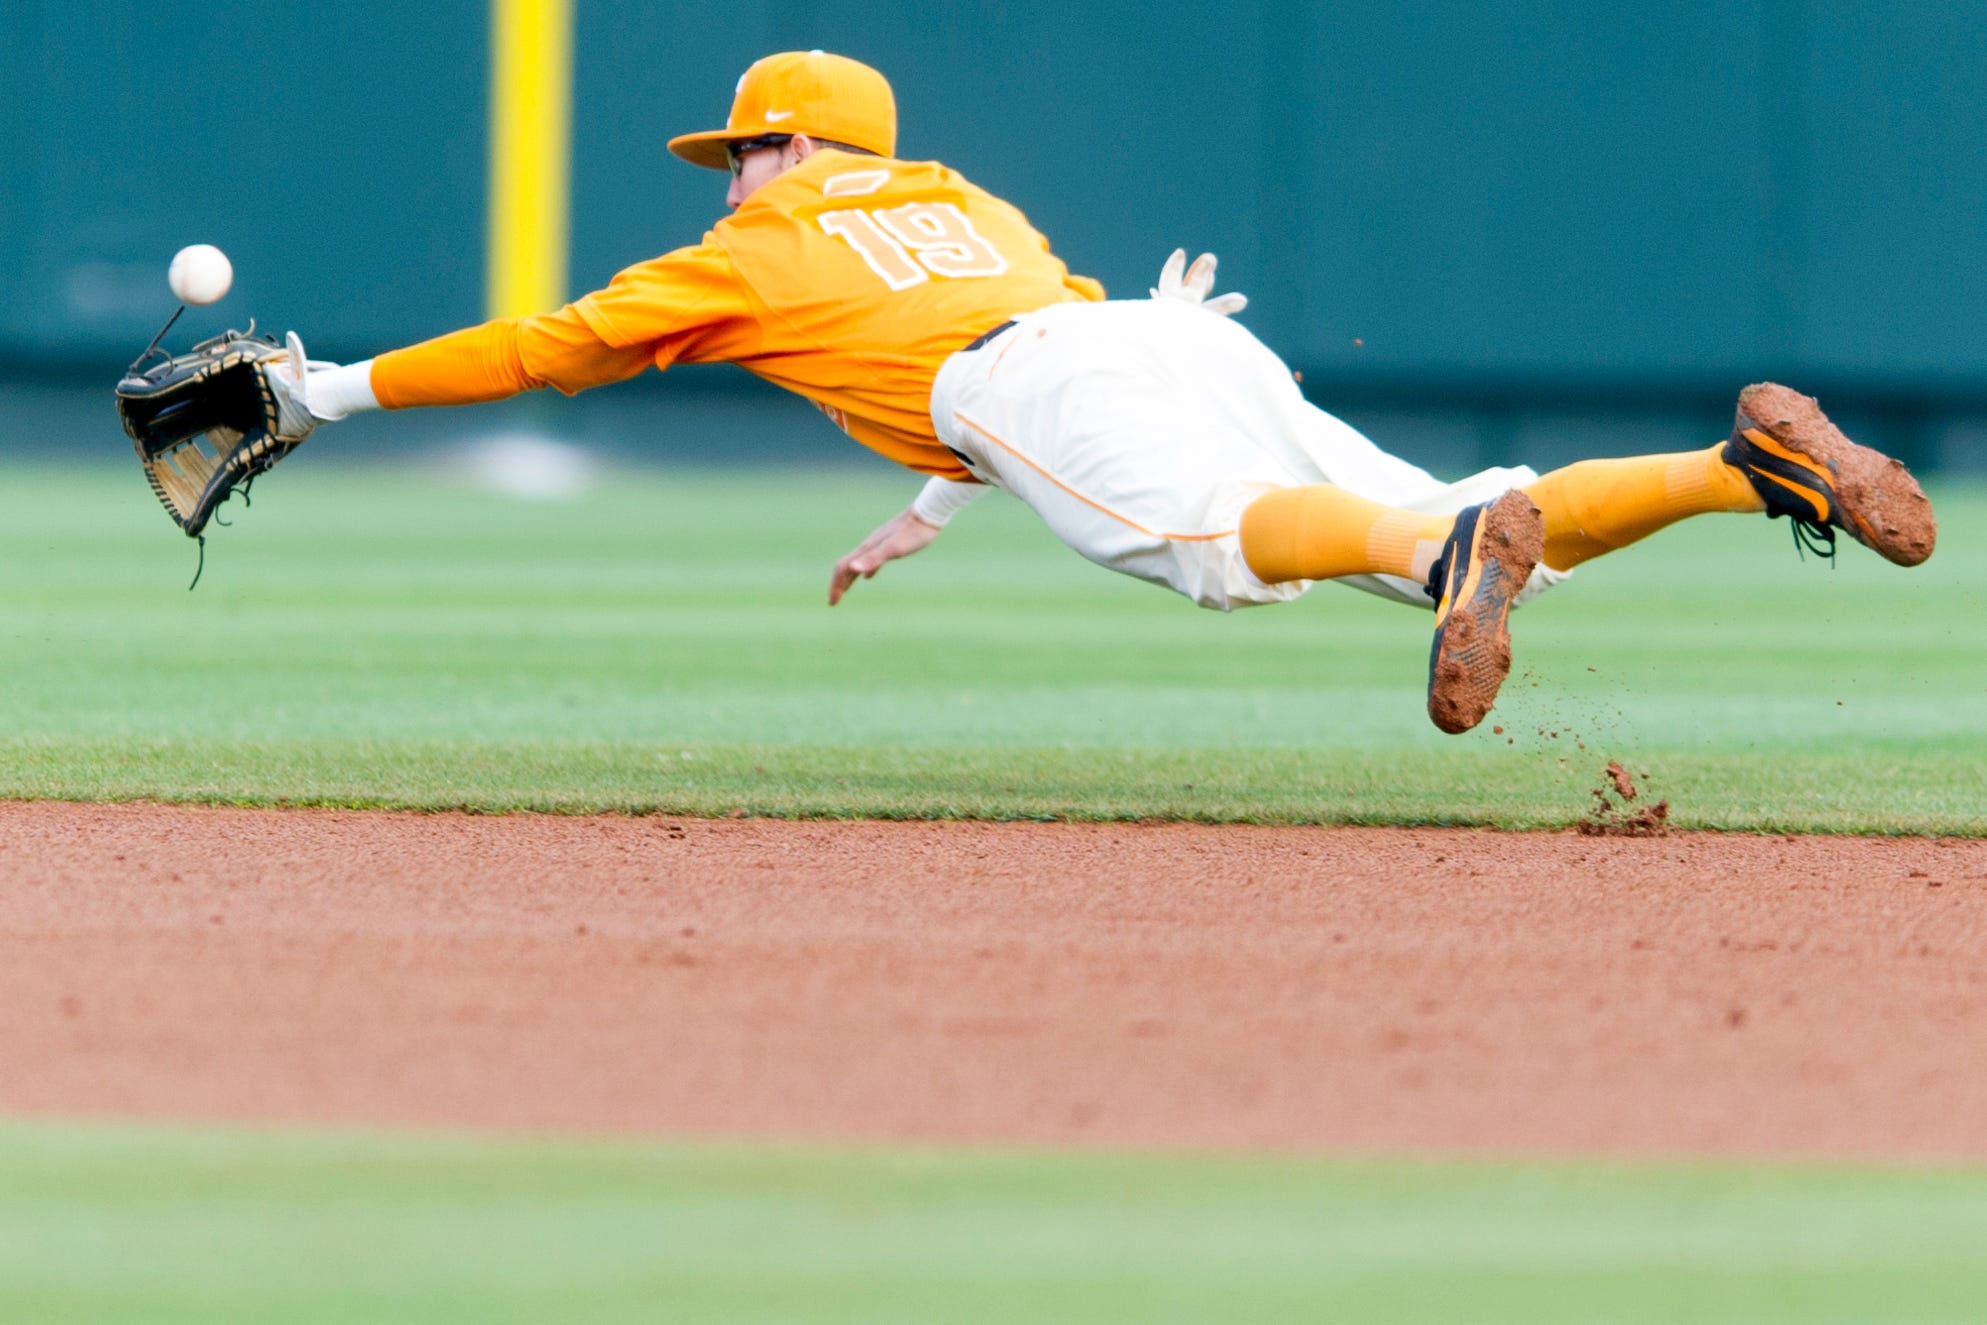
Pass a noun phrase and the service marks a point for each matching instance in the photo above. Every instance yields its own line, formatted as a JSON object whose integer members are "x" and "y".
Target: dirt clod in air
{"x": 1612, "y": 815}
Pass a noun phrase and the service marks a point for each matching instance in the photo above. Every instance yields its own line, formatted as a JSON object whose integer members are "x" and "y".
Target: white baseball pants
{"x": 1140, "y": 429}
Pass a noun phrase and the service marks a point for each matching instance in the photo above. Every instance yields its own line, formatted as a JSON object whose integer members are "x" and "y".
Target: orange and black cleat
{"x": 1484, "y": 564}
{"x": 1805, "y": 469}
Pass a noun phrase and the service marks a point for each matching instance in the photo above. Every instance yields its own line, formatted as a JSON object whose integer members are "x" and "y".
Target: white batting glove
{"x": 287, "y": 372}
{"x": 313, "y": 391}
{"x": 1192, "y": 288}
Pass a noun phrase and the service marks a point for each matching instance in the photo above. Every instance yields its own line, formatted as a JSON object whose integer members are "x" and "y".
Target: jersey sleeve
{"x": 686, "y": 306}
{"x": 689, "y": 306}
{"x": 501, "y": 359}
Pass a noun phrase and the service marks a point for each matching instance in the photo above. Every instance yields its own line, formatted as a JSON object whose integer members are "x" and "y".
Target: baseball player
{"x": 930, "y": 322}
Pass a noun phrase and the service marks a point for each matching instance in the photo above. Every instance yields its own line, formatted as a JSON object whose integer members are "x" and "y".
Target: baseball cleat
{"x": 1487, "y": 559}
{"x": 1805, "y": 469}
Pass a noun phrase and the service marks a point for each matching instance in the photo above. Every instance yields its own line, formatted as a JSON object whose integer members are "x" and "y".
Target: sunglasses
{"x": 734, "y": 153}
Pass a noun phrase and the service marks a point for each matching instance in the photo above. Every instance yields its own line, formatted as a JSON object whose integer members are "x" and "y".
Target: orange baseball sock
{"x": 1597, "y": 506}
{"x": 1321, "y": 532}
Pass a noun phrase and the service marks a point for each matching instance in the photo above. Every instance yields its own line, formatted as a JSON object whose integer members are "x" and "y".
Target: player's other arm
{"x": 911, "y": 530}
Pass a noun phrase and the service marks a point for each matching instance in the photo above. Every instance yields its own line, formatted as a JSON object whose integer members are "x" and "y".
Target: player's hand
{"x": 900, "y": 538}
{"x": 1193, "y": 287}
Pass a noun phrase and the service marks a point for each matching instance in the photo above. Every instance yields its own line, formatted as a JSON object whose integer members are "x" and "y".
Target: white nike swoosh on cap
{"x": 775, "y": 116}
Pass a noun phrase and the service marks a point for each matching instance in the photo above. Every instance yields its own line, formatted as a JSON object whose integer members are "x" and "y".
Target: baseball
{"x": 200, "y": 274}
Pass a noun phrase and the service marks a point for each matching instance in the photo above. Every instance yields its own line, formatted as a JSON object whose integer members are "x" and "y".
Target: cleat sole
{"x": 1877, "y": 501}
{"x": 1471, "y": 653}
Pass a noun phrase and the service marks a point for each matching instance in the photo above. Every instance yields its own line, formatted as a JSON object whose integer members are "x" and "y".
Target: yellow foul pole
{"x": 531, "y": 84}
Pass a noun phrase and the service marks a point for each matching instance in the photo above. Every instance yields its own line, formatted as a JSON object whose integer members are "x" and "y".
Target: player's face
{"x": 753, "y": 163}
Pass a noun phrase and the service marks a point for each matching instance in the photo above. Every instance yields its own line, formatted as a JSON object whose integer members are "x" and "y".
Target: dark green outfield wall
{"x": 1497, "y": 199}
{"x": 335, "y": 152}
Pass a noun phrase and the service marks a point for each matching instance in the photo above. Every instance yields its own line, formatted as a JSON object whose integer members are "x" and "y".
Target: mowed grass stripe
{"x": 663, "y": 643}
{"x": 1874, "y": 794}
{"x": 109, "y": 1224}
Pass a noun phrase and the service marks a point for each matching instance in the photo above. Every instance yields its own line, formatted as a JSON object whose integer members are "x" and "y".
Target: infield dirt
{"x": 1180, "y": 986}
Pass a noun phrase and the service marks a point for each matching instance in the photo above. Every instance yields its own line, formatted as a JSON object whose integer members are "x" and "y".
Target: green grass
{"x": 363, "y": 638}
{"x": 167, "y": 1225}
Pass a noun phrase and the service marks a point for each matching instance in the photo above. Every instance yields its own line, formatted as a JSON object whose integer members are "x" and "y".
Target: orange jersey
{"x": 847, "y": 279}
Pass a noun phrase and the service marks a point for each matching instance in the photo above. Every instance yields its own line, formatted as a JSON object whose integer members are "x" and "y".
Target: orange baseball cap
{"x": 810, "y": 92}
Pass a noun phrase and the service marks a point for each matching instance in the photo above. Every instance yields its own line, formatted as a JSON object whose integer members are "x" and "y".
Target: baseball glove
{"x": 209, "y": 420}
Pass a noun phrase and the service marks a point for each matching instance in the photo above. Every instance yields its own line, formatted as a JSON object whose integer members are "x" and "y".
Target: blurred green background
{"x": 169, "y": 1226}
{"x": 1486, "y": 233}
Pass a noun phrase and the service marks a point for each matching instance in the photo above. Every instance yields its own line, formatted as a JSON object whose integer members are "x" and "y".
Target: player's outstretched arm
{"x": 504, "y": 358}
